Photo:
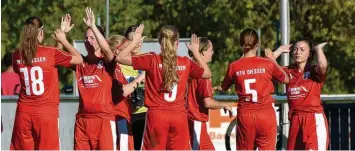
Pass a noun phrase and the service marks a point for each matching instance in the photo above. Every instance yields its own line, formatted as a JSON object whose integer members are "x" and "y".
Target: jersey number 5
{"x": 251, "y": 91}
{"x": 34, "y": 80}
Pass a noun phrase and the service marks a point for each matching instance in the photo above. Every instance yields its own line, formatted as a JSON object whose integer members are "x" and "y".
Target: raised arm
{"x": 124, "y": 56}
{"x": 194, "y": 48}
{"x": 105, "y": 47}
{"x": 321, "y": 59}
{"x": 65, "y": 27}
{"x": 278, "y": 71}
{"x": 76, "y": 56}
{"x": 278, "y": 51}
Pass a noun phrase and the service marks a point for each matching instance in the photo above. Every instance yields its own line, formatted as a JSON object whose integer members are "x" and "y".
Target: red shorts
{"x": 166, "y": 130}
{"x": 257, "y": 130}
{"x": 308, "y": 131}
{"x": 94, "y": 134}
{"x": 199, "y": 138}
{"x": 35, "y": 132}
{"x": 124, "y": 134}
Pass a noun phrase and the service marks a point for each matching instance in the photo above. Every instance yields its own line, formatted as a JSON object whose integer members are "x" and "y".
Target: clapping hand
{"x": 320, "y": 46}
{"x": 137, "y": 37}
{"x": 65, "y": 23}
{"x": 194, "y": 44}
{"x": 90, "y": 17}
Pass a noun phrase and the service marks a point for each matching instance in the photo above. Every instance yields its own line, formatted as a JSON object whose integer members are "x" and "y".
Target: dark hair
{"x": 102, "y": 31}
{"x": 311, "y": 49}
{"x": 203, "y": 45}
{"x": 248, "y": 39}
{"x": 7, "y": 59}
{"x": 29, "y": 41}
{"x": 130, "y": 29}
{"x": 35, "y": 20}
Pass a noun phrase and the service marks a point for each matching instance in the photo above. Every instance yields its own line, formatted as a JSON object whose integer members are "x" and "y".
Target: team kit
{"x": 175, "y": 92}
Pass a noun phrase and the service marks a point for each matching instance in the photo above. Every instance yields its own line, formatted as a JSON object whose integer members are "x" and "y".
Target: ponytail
{"x": 248, "y": 39}
{"x": 29, "y": 41}
{"x": 167, "y": 36}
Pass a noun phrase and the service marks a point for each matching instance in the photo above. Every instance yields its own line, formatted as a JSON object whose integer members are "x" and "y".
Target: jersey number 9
{"x": 172, "y": 97}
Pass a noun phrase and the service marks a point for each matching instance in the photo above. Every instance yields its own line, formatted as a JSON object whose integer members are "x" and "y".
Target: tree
{"x": 220, "y": 20}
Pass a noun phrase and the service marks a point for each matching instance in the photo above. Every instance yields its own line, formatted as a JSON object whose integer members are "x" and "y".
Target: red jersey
{"x": 94, "y": 83}
{"x": 253, "y": 82}
{"x": 197, "y": 91}
{"x": 122, "y": 104}
{"x": 155, "y": 98}
{"x": 303, "y": 91}
{"x": 10, "y": 83}
{"x": 39, "y": 92}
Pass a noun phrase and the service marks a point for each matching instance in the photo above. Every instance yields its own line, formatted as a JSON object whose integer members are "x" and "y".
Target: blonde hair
{"x": 116, "y": 41}
{"x": 29, "y": 41}
{"x": 168, "y": 34}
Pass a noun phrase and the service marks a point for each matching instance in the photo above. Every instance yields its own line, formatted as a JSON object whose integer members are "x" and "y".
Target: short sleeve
{"x": 204, "y": 88}
{"x": 62, "y": 58}
{"x": 277, "y": 72}
{"x": 285, "y": 68}
{"x": 118, "y": 75}
{"x": 15, "y": 57}
{"x": 195, "y": 70}
{"x": 227, "y": 81}
{"x": 142, "y": 62}
{"x": 110, "y": 66}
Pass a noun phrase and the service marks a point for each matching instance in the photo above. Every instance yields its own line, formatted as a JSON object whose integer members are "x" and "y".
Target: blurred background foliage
{"x": 220, "y": 20}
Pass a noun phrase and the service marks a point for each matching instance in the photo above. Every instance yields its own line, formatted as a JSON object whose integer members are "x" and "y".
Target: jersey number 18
{"x": 37, "y": 85}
